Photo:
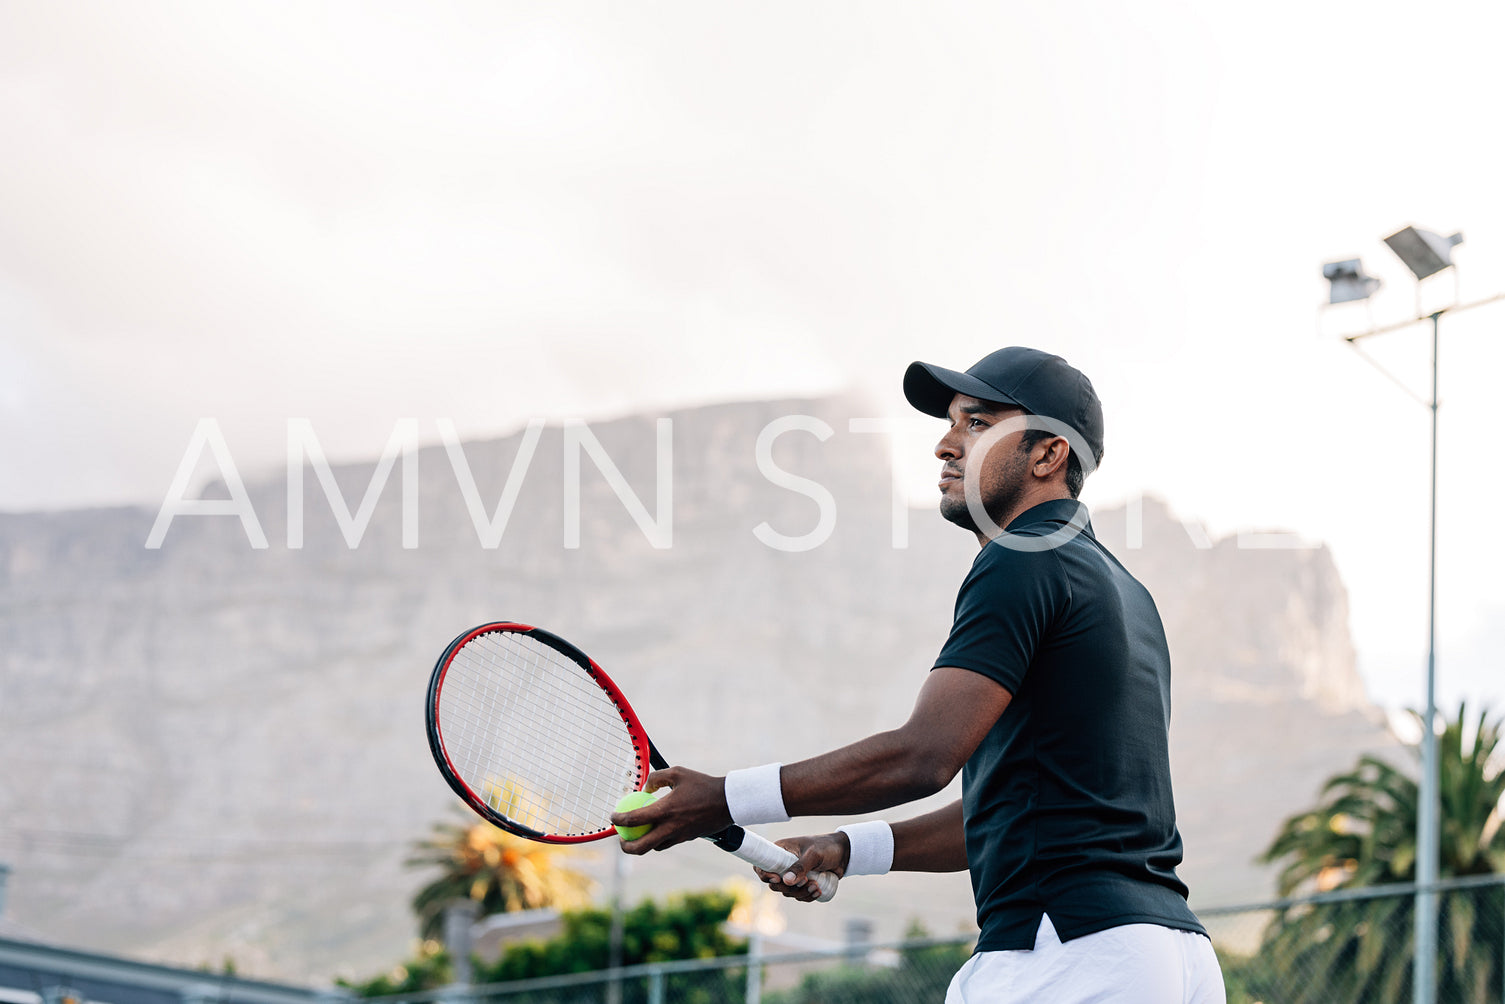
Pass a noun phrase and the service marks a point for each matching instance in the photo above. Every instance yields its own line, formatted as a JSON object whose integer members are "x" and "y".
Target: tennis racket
{"x": 530, "y": 732}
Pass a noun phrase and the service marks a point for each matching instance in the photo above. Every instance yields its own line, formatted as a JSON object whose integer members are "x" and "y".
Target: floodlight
{"x": 1348, "y": 281}
{"x": 1424, "y": 252}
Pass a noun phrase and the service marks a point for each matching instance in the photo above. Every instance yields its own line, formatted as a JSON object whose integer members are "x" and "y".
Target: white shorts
{"x": 1132, "y": 964}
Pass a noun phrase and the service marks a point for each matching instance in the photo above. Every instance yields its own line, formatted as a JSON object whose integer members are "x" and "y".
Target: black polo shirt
{"x": 1067, "y": 801}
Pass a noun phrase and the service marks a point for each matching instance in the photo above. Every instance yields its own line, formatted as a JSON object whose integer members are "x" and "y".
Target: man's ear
{"x": 1050, "y": 455}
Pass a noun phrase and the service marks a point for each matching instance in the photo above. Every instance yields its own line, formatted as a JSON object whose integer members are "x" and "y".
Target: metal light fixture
{"x": 1348, "y": 281}
{"x": 1423, "y": 252}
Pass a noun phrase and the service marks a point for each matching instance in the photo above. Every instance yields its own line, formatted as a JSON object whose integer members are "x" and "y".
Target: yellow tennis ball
{"x": 628, "y": 802}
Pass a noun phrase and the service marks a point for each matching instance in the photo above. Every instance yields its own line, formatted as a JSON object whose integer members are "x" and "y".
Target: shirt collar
{"x": 1054, "y": 511}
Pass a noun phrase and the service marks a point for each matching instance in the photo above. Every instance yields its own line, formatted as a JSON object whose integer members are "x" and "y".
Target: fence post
{"x": 618, "y": 930}
{"x": 655, "y": 986}
{"x": 459, "y": 918}
{"x": 859, "y": 939}
{"x": 755, "y": 968}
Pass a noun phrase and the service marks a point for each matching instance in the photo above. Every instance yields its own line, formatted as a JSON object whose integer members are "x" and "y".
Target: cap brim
{"x": 930, "y": 388}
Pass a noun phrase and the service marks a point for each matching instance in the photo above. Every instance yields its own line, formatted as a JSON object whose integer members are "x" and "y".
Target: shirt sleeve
{"x": 1004, "y": 609}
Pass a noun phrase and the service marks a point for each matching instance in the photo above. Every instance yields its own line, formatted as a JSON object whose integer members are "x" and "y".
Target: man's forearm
{"x": 955, "y": 709}
{"x": 934, "y": 842}
{"x": 870, "y": 775}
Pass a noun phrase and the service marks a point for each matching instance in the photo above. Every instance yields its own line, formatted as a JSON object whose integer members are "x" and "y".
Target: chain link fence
{"x": 900, "y": 973}
{"x": 1352, "y": 946}
{"x": 1358, "y": 945}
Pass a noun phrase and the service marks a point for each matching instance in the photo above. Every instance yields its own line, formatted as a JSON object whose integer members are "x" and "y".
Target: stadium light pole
{"x": 1425, "y": 254}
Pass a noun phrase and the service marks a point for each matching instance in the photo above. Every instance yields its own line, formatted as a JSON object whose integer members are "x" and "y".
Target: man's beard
{"x": 1008, "y": 490}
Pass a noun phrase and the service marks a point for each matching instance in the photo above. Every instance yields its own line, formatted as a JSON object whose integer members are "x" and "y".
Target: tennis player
{"x": 1051, "y": 696}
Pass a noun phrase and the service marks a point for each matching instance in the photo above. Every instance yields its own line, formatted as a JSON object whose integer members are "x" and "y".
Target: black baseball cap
{"x": 1038, "y": 382}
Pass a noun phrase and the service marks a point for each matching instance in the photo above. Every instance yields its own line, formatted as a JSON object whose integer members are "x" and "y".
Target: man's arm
{"x": 934, "y": 842}
{"x": 953, "y": 713}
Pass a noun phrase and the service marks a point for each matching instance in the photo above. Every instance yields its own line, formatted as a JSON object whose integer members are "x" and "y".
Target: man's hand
{"x": 827, "y": 852}
{"x": 696, "y": 807}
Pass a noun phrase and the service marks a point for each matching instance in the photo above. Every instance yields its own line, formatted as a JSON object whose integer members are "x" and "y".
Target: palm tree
{"x": 1364, "y": 834}
{"x": 500, "y": 872}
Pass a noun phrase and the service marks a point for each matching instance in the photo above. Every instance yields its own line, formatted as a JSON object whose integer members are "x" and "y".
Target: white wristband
{"x": 872, "y": 847}
{"x": 756, "y": 795}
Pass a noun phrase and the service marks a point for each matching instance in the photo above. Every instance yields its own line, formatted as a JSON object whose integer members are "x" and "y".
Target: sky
{"x": 356, "y": 213}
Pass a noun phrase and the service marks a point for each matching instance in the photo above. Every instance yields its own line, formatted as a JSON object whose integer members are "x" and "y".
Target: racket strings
{"x": 542, "y": 700}
{"x": 544, "y": 720}
{"x": 527, "y": 729}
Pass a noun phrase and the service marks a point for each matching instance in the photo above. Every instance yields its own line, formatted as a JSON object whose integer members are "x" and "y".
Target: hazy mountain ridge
{"x": 218, "y": 750}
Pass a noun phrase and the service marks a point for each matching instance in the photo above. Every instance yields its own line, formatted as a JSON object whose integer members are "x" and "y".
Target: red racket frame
{"x": 647, "y": 756}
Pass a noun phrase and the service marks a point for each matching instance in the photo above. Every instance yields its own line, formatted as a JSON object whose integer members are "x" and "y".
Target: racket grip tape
{"x": 769, "y": 856}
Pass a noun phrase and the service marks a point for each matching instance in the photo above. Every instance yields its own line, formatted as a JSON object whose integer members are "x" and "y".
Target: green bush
{"x": 688, "y": 926}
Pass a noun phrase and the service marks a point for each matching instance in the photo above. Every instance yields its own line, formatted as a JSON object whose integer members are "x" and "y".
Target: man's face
{"x": 980, "y": 450}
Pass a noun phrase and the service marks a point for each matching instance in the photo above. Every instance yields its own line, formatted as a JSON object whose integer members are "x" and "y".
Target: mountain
{"x": 215, "y": 750}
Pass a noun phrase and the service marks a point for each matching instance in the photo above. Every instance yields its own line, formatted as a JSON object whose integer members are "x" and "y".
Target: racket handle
{"x": 769, "y": 856}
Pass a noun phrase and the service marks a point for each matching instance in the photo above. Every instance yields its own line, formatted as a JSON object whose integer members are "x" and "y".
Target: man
{"x": 1052, "y": 697}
